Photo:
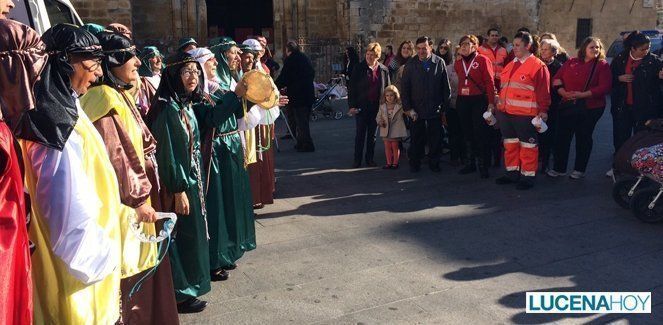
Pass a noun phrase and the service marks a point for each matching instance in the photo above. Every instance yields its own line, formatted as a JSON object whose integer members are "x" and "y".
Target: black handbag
{"x": 570, "y": 107}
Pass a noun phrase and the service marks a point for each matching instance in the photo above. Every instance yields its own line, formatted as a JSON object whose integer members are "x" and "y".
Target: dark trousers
{"x": 476, "y": 131}
{"x": 302, "y": 118}
{"x": 422, "y": 132}
{"x": 455, "y": 131}
{"x": 624, "y": 126}
{"x": 581, "y": 125}
{"x": 547, "y": 139}
{"x": 292, "y": 120}
{"x": 365, "y": 133}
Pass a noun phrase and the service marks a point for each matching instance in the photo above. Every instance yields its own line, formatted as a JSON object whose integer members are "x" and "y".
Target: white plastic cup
{"x": 540, "y": 124}
{"x": 490, "y": 118}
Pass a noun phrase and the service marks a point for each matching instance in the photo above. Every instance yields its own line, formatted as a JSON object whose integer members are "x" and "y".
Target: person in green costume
{"x": 178, "y": 155}
{"x": 232, "y": 228}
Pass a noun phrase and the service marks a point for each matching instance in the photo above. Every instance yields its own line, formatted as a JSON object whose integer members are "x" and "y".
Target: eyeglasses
{"x": 94, "y": 66}
{"x": 189, "y": 73}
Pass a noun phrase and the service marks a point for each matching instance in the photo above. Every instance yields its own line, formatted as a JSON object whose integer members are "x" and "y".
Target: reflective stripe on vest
{"x": 518, "y": 96}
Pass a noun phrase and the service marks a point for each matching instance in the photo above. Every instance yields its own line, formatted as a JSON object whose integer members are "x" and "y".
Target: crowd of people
{"x": 488, "y": 102}
{"x": 141, "y": 173}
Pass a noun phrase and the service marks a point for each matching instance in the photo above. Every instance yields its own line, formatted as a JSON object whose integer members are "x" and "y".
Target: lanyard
{"x": 467, "y": 69}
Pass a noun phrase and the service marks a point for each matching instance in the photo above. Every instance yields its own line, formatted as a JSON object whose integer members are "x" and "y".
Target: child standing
{"x": 392, "y": 126}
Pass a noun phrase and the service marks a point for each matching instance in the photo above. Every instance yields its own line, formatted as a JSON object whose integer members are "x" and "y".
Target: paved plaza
{"x": 369, "y": 246}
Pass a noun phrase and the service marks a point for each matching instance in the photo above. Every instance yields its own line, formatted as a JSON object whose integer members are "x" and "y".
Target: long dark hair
{"x": 399, "y": 57}
{"x": 447, "y": 57}
{"x": 634, "y": 40}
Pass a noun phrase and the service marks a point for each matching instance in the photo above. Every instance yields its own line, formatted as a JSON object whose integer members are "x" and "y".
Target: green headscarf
{"x": 145, "y": 55}
{"x": 184, "y": 42}
{"x": 219, "y": 46}
{"x": 94, "y": 29}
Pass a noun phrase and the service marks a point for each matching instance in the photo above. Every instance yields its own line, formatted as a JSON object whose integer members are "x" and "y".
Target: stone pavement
{"x": 369, "y": 246}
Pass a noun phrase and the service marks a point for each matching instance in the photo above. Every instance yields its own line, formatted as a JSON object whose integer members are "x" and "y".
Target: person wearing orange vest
{"x": 525, "y": 94}
{"x": 495, "y": 53}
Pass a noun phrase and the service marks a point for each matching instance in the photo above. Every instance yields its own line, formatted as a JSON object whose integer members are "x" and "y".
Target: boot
{"x": 471, "y": 167}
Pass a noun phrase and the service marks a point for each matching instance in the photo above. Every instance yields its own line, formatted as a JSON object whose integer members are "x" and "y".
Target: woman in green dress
{"x": 178, "y": 155}
{"x": 232, "y": 228}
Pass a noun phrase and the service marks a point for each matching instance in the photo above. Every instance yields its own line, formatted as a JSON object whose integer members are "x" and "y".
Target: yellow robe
{"x": 76, "y": 230}
{"x": 97, "y": 102}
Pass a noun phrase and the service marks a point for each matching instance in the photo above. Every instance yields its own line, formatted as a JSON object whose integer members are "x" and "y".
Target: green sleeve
{"x": 172, "y": 154}
{"x": 226, "y": 105}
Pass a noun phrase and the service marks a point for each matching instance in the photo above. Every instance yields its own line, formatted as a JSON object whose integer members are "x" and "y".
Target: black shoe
{"x": 394, "y": 166}
{"x": 219, "y": 275}
{"x": 483, "y": 173}
{"x": 371, "y": 164}
{"x": 503, "y": 180}
{"x": 356, "y": 164}
{"x": 191, "y": 305}
{"x": 415, "y": 168}
{"x": 386, "y": 167}
{"x": 468, "y": 169}
{"x": 435, "y": 168}
{"x": 524, "y": 184}
{"x": 230, "y": 267}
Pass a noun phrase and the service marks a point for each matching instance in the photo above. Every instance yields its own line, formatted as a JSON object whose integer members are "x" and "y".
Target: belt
{"x": 221, "y": 135}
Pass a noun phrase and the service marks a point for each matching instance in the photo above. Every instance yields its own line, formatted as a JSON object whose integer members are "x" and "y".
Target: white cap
{"x": 253, "y": 44}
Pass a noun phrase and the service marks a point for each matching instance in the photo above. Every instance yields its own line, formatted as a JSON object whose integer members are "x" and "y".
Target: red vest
{"x": 518, "y": 96}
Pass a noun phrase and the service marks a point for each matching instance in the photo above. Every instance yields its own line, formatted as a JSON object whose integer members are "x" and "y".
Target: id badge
{"x": 465, "y": 91}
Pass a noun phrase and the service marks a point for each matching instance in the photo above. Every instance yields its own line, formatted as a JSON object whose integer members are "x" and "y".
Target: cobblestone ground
{"x": 369, "y": 246}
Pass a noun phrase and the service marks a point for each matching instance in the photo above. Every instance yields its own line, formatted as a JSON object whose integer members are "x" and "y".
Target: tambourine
{"x": 260, "y": 89}
{"x": 164, "y": 233}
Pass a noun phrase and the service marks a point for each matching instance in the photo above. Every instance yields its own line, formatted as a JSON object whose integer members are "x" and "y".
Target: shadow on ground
{"x": 561, "y": 229}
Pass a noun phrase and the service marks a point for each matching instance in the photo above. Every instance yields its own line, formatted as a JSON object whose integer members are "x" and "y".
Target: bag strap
{"x": 591, "y": 74}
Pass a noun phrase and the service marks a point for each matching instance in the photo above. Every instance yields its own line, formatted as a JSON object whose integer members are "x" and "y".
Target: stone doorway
{"x": 240, "y": 19}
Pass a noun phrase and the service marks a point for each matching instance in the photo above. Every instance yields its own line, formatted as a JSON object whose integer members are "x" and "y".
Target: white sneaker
{"x": 577, "y": 175}
{"x": 554, "y": 174}
{"x": 610, "y": 173}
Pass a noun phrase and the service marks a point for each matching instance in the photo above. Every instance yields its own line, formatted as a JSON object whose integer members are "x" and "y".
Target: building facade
{"x": 326, "y": 27}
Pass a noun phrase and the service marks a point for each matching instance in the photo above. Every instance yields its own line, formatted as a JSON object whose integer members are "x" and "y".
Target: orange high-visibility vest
{"x": 496, "y": 58}
{"x": 518, "y": 96}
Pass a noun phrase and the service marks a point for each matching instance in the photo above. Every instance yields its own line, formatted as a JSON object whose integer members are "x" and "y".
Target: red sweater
{"x": 481, "y": 73}
{"x": 574, "y": 74}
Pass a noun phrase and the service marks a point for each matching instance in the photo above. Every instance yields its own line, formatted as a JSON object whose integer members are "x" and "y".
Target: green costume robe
{"x": 178, "y": 155}
{"x": 231, "y": 221}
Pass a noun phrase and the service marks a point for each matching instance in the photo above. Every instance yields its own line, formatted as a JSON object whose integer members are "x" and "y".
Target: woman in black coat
{"x": 636, "y": 88}
{"x": 365, "y": 89}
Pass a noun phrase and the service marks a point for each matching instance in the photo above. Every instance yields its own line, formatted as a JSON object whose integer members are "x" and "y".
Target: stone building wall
{"x": 104, "y": 12}
{"x": 325, "y": 27}
{"x": 153, "y": 22}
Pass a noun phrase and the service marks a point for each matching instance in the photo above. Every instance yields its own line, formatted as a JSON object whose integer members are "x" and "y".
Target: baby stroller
{"x": 332, "y": 91}
{"x": 639, "y": 174}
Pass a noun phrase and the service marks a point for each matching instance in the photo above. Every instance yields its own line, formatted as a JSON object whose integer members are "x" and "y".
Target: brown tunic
{"x": 261, "y": 173}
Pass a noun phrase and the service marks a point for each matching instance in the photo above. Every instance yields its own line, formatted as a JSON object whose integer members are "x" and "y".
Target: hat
{"x": 186, "y": 41}
{"x": 253, "y": 45}
{"x": 245, "y": 48}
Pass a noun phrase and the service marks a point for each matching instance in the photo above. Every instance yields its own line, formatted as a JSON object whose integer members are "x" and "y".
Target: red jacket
{"x": 574, "y": 74}
{"x": 481, "y": 77}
